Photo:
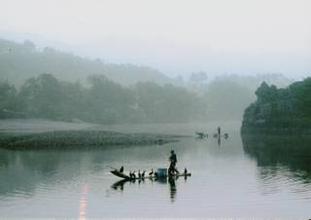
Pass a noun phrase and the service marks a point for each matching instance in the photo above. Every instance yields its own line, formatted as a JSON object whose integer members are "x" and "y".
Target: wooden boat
{"x": 127, "y": 177}
{"x": 179, "y": 175}
{"x": 119, "y": 174}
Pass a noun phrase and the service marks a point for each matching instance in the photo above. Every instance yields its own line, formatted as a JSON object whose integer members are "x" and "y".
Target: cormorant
{"x": 150, "y": 174}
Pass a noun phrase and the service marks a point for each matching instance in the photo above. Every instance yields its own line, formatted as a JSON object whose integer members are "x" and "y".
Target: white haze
{"x": 174, "y": 36}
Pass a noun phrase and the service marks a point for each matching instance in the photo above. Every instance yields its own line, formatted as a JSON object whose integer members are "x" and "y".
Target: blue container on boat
{"x": 162, "y": 172}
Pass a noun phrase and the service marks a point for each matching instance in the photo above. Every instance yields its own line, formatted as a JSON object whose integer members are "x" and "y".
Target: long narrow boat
{"x": 120, "y": 174}
{"x": 126, "y": 177}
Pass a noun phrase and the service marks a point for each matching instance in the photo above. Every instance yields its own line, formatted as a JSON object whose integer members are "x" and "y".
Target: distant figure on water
{"x": 185, "y": 171}
{"x": 173, "y": 161}
{"x": 218, "y": 131}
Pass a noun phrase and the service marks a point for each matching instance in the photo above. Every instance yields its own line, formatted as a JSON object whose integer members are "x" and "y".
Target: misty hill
{"x": 280, "y": 110}
{"x": 94, "y": 91}
{"x": 21, "y": 61}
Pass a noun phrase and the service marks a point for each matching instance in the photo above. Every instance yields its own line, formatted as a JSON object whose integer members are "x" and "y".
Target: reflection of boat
{"x": 225, "y": 135}
{"x": 127, "y": 177}
{"x": 119, "y": 184}
{"x": 170, "y": 180}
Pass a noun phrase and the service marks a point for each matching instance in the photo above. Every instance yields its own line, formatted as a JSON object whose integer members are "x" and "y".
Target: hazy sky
{"x": 175, "y": 36}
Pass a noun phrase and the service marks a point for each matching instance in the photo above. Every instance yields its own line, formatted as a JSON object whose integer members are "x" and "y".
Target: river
{"x": 226, "y": 181}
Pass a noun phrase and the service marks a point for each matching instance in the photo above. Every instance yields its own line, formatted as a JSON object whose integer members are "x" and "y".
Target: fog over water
{"x": 227, "y": 179}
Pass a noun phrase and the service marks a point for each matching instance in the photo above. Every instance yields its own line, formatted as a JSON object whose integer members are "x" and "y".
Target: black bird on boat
{"x": 121, "y": 169}
{"x": 143, "y": 174}
{"x": 151, "y": 173}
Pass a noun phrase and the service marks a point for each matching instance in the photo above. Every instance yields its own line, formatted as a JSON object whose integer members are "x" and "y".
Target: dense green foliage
{"x": 102, "y": 102}
{"x": 287, "y": 108}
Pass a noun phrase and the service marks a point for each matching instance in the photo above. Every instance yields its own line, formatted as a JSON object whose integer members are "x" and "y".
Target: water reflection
{"x": 173, "y": 189}
{"x": 119, "y": 185}
{"x": 23, "y": 171}
{"x": 219, "y": 141}
{"x": 83, "y": 202}
{"x": 280, "y": 153}
{"x": 171, "y": 181}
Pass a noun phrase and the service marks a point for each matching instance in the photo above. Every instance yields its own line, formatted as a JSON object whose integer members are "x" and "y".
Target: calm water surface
{"x": 227, "y": 181}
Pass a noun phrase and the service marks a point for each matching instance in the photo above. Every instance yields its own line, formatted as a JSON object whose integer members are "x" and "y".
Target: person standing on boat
{"x": 173, "y": 161}
{"x": 218, "y": 131}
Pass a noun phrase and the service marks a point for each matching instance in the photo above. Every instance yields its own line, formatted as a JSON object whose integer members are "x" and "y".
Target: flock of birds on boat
{"x": 151, "y": 175}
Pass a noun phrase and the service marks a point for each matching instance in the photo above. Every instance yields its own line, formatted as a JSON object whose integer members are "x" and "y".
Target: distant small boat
{"x": 201, "y": 134}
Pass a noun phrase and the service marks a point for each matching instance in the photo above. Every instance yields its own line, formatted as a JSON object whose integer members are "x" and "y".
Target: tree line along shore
{"x": 280, "y": 111}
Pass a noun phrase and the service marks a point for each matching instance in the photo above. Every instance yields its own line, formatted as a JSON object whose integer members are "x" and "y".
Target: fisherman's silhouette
{"x": 173, "y": 160}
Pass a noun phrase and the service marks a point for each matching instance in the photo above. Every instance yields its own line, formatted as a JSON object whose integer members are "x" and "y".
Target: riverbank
{"x": 43, "y": 134}
{"x": 84, "y": 139}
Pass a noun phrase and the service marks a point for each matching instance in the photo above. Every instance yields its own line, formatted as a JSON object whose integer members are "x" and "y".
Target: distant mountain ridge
{"x": 19, "y": 61}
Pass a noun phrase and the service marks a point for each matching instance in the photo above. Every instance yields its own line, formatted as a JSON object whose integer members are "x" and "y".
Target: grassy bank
{"x": 85, "y": 139}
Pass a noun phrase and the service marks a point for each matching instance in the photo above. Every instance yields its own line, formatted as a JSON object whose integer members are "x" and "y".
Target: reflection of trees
{"x": 24, "y": 170}
{"x": 269, "y": 152}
